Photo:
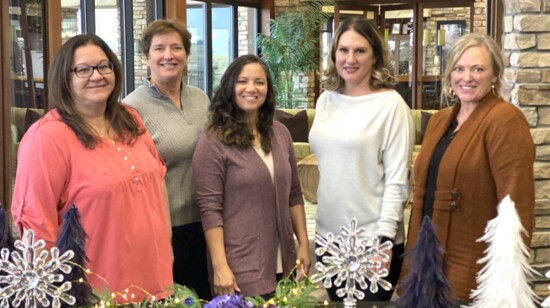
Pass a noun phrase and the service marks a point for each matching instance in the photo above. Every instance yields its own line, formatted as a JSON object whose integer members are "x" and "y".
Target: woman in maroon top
{"x": 247, "y": 186}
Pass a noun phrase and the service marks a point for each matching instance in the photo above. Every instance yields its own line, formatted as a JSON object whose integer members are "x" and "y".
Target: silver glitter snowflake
{"x": 32, "y": 279}
{"x": 353, "y": 261}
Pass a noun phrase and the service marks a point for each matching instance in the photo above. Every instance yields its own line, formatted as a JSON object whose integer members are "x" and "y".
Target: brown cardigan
{"x": 490, "y": 157}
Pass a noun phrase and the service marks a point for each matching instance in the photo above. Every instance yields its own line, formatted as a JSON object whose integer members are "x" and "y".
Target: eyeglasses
{"x": 85, "y": 71}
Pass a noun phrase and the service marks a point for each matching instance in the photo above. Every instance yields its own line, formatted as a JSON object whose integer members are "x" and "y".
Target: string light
{"x": 126, "y": 298}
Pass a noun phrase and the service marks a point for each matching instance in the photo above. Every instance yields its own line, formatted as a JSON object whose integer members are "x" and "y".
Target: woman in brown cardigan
{"x": 473, "y": 155}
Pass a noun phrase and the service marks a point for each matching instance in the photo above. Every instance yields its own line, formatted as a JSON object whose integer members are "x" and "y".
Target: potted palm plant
{"x": 293, "y": 46}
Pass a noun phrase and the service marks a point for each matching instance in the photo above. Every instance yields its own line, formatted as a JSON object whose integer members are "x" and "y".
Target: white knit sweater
{"x": 364, "y": 148}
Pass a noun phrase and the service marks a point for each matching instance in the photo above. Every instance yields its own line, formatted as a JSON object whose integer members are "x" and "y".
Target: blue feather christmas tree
{"x": 6, "y": 238}
{"x": 73, "y": 237}
{"x": 426, "y": 285}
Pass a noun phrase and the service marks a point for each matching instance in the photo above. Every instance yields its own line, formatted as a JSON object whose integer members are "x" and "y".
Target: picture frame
{"x": 447, "y": 33}
{"x": 396, "y": 28}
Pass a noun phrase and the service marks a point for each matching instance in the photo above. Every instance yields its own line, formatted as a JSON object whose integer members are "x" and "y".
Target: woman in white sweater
{"x": 363, "y": 138}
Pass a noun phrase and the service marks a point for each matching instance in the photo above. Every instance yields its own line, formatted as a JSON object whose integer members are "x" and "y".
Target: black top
{"x": 433, "y": 168}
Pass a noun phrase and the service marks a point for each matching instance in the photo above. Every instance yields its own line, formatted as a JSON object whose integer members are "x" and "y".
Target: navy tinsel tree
{"x": 73, "y": 237}
{"x": 426, "y": 285}
{"x": 6, "y": 238}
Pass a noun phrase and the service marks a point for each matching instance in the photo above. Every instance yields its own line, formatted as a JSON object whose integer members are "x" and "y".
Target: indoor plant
{"x": 293, "y": 46}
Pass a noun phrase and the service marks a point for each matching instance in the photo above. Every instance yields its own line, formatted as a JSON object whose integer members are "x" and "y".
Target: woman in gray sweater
{"x": 175, "y": 114}
{"x": 247, "y": 186}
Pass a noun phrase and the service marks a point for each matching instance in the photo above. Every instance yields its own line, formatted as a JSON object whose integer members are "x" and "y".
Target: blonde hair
{"x": 455, "y": 52}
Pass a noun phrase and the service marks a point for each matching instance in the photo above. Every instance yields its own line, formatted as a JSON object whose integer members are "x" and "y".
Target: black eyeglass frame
{"x": 99, "y": 68}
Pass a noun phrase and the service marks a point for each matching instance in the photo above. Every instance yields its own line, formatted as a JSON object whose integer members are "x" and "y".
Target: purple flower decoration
{"x": 229, "y": 301}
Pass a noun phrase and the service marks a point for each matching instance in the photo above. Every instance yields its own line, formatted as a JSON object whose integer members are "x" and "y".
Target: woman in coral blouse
{"x": 93, "y": 152}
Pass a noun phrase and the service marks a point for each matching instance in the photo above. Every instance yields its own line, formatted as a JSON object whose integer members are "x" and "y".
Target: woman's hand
{"x": 303, "y": 261}
{"x": 224, "y": 281}
{"x": 383, "y": 264}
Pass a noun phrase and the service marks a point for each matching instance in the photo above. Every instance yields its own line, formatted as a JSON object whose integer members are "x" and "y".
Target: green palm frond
{"x": 293, "y": 46}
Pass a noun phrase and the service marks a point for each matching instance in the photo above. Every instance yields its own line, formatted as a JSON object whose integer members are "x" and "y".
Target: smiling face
{"x": 473, "y": 75}
{"x": 167, "y": 58}
{"x": 91, "y": 93}
{"x": 251, "y": 88}
{"x": 354, "y": 59}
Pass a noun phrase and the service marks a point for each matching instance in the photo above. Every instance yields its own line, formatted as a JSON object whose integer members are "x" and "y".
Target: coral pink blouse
{"x": 117, "y": 189}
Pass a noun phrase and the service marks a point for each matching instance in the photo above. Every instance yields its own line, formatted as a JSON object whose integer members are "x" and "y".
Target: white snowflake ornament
{"x": 32, "y": 279}
{"x": 352, "y": 260}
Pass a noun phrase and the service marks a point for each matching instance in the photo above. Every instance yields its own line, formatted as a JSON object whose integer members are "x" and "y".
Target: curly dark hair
{"x": 228, "y": 121}
{"x": 60, "y": 93}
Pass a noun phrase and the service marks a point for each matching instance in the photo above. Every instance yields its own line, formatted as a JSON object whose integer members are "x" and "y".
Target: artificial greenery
{"x": 293, "y": 46}
{"x": 288, "y": 293}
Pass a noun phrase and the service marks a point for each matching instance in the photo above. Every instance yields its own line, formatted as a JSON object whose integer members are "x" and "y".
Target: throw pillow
{"x": 31, "y": 116}
{"x": 296, "y": 124}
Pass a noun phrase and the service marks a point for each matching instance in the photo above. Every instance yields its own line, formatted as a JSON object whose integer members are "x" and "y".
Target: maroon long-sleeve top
{"x": 236, "y": 191}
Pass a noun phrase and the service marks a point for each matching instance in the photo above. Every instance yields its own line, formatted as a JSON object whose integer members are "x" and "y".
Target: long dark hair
{"x": 60, "y": 94}
{"x": 228, "y": 121}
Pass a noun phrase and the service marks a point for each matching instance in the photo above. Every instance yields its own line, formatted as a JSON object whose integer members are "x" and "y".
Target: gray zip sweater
{"x": 175, "y": 133}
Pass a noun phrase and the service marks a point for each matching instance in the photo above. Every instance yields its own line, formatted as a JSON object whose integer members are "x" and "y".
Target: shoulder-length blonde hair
{"x": 381, "y": 71}
{"x": 455, "y": 52}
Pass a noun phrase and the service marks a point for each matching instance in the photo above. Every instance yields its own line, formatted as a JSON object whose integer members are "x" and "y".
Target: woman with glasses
{"x": 94, "y": 153}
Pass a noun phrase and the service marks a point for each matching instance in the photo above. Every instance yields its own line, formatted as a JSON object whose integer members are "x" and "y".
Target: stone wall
{"x": 526, "y": 44}
{"x": 140, "y": 23}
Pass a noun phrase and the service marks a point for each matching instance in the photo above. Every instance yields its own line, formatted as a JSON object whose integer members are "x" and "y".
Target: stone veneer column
{"x": 140, "y": 23}
{"x": 526, "y": 44}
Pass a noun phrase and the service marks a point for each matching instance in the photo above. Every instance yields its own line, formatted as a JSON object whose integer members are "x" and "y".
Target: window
{"x": 221, "y": 32}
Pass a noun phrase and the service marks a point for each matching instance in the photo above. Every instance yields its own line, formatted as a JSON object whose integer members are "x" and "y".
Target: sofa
{"x": 298, "y": 120}
{"x": 21, "y": 120}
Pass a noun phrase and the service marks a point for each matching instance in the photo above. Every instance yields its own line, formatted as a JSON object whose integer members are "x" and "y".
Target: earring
{"x": 452, "y": 92}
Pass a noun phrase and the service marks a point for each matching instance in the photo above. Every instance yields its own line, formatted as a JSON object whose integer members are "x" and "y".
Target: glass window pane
{"x": 247, "y": 30}
{"x": 107, "y": 19}
{"x": 222, "y": 40}
{"x": 26, "y": 54}
{"x": 196, "y": 67}
{"x": 70, "y": 23}
{"x": 399, "y": 35}
{"x": 441, "y": 28}
{"x": 27, "y": 71}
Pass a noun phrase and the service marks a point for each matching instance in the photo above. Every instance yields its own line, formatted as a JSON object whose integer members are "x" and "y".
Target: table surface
{"x": 371, "y": 305}
{"x": 360, "y": 305}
